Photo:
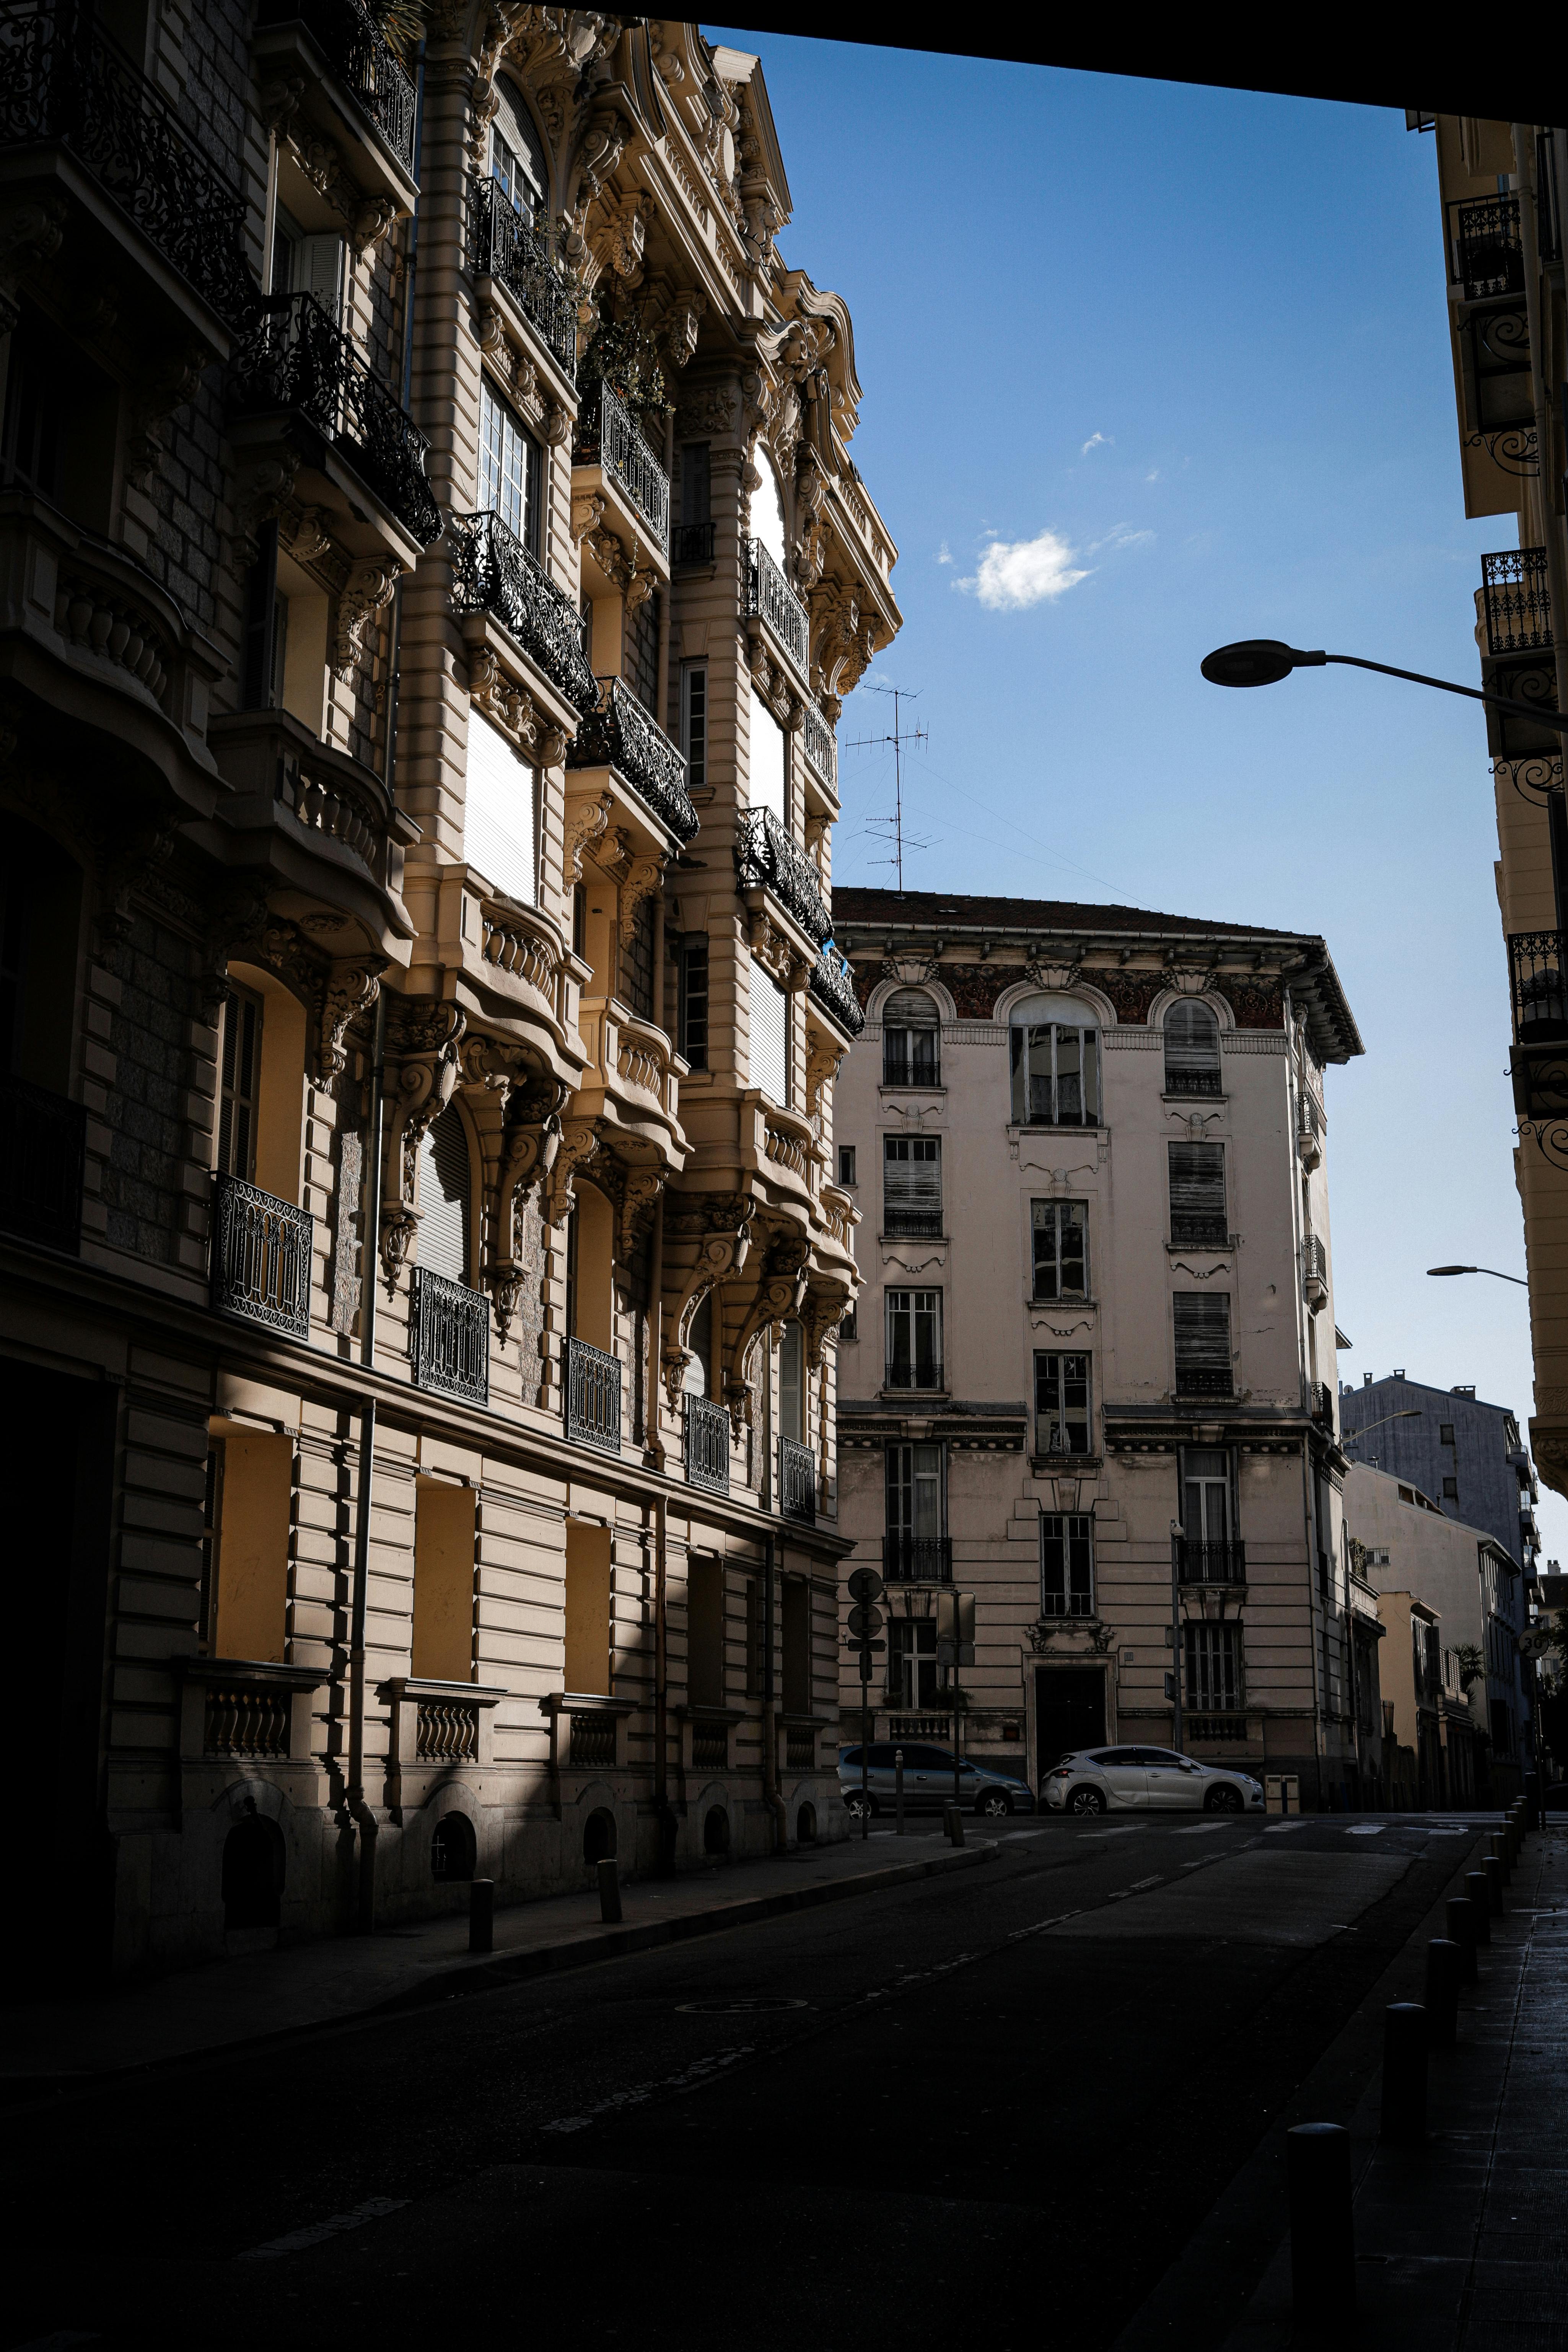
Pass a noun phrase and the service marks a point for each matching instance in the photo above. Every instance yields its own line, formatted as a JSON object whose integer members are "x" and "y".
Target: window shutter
{"x": 1197, "y": 1192}
{"x": 765, "y": 773}
{"x": 1203, "y": 1341}
{"x": 1192, "y": 1039}
{"x": 498, "y": 816}
{"x": 769, "y": 1037}
{"x": 444, "y": 1199}
{"x": 911, "y": 1183}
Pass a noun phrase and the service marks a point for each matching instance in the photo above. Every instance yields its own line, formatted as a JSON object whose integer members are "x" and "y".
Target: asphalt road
{"x": 977, "y": 2110}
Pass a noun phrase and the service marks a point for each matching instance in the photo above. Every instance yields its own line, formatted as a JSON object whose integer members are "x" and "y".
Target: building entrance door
{"x": 1069, "y": 1711}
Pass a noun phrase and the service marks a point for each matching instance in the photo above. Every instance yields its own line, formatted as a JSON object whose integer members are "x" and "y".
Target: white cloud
{"x": 944, "y": 554}
{"x": 1120, "y": 535}
{"x": 1153, "y": 476}
{"x": 1013, "y": 574}
{"x": 1098, "y": 441}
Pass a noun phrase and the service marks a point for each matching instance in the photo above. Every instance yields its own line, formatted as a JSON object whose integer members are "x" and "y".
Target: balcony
{"x": 1540, "y": 1064}
{"x": 916, "y": 1559}
{"x": 509, "y": 252}
{"x": 260, "y": 1258}
{"x": 1199, "y": 1229}
{"x": 797, "y": 1482}
{"x": 767, "y": 859}
{"x": 902, "y": 1222}
{"x": 1320, "y": 1405}
{"x": 66, "y": 84}
{"x": 295, "y": 363}
{"x": 1488, "y": 251}
{"x": 43, "y": 1143}
{"x": 1516, "y": 599}
{"x": 1309, "y": 1132}
{"x": 620, "y": 734}
{"x": 1209, "y": 1728}
{"x": 692, "y": 542}
{"x": 1202, "y": 1562}
{"x": 493, "y": 572}
{"x": 772, "y": 600}
{"x": 608, "y": 437}
{"x": 363, "y": 64}
{"x": 831, "y": 985}
{"x": 1203, "y": 1380}
{"x": 1314, "y": 1273}
{"x": 630, "y": 1083}
{"x": 592, "y": 1397}
{"x": 820, "y": 745}
{"x": 449, "y": 1336}
{"x": 707, "y": 1446}
{"x": 1197, "y": 1084}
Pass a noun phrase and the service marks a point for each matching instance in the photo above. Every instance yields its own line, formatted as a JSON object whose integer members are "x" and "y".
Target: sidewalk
{"x": 265, "y": 1996}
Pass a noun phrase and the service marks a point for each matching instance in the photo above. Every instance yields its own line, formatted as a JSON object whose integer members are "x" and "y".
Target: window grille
{"x": 1062, "y": 1402}
{"x": 1197, "y": 1194}
{"x": 1060, "y": 1249}
{"x": 911, "y": 1185}
{"x": 1201, "y": 1321}
{"x": 914, "y": 1339}
{"x": 1212, "y": 1667}
{"x": 1066, "y": 1564}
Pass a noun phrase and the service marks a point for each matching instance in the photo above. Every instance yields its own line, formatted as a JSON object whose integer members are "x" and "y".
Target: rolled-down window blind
{"x": 770, "y": 1037}
{"x": 498, "y": 820}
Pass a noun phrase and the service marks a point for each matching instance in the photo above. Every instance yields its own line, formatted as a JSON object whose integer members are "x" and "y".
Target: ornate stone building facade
{"x": 432, "y": 567}
{"x": 1091, "y": 1377}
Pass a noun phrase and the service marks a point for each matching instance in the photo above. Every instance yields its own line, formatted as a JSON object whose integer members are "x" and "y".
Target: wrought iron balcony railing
{"x": 1213, "y": 1727}
{"x": 363, "y": 61}
{"x": 706, "y": 1445}
{"x": 1203, "y": 1380}
{"x": 692, "y": 542}
{"x": 916, "y": 1559}
{"x": 295, "y": 357}
{"x": 1517, "y": 597}
{"x": 449, "y": 1336}
{"x": 43, "y": 1144}
{"x": 607, "y": 435}
{"x": 1536, "y": 985}
{"x": 1314, "y": 1262}
{"x": 1200, "y": 1561}
{"x": 797, "y": 1482}
{"x": 1488, "y": 252}
{"x": 770, "y": 595}
{"x": 767, "y": 859}
{"x": 821, "y": 747}
{"x": 1199, "y": 1228}
{"x": 1193, "y": 1082}
{"x": 830, "y": 982}
{"x": 592, "y": 1397}
{"x": 1321, "y": 1404}
{"x": 260, "y": 1257}
{"x": 622, "y": 735}
{"x": 63, "y": 78}
{"x": 503, "y": 245}
{"x": 913, "y": 1224}
{"x": 493, "y": 572}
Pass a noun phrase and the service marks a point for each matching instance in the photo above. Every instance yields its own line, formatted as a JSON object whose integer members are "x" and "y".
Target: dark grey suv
{"x": 928, "y": 1781}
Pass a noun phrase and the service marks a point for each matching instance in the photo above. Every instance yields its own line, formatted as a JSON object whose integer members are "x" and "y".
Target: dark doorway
{"x": 1069, "y": 1711}
{"x": 253, "y": 1861}
{"x": 453, "y": 1850}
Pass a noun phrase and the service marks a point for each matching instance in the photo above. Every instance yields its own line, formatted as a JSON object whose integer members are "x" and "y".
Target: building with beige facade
{"x": 1091, "y": 1376}
{"x": 432, "y": 564}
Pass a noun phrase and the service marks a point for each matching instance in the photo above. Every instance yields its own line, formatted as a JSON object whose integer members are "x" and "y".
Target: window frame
{"x": 903, "y": 1476}
{"x": 912, "y": 1219}
{"x": 692, "y": 999}
{"x": 497, "y": 473}
{"x": 249, "y": 1002}
{"x": 1201, "y": 1380}
{"x": 1067, "y": 1419}
{"x": 1058, "y": 1296}
{"x": 1200, "y": 1658}
{"x": 1198, "y": 1068}
{"x": 1066, "y": 1529}
{"x": 933, "y": 1313}
{"x": 1023, "y": 1079}
{"x": 694, "y": 722}
{"x": 907, "y": 1067}
{"x": 1190, "y": 1173}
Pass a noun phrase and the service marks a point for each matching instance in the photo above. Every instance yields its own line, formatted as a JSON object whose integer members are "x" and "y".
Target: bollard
{"x": 953, "y": 1821}
{"x": 1462, "y": 1932}
{"x": 481, "y": 1915}
{"x": 610, "y": 1891}
{"x": 1494, "y": 1884}
{"x": 1444, "y": 1965}
{"x": 1322, "y": 2234}
{"x": 1481, "y": 1904}
{"x": 899, "y": 1787}
{"x": 1532, "y": 1800}
{"x": 1501, "y": 1848}
{"x": 1404, "y": 2123}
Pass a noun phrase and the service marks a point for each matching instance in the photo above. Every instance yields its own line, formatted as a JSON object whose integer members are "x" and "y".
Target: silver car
{"x": 927, "y": 1782}
{"x": 1148, "y": 1779}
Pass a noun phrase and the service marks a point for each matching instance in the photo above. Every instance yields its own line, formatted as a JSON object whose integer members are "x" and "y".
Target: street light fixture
{"x": 1480, "y": 1269}
{"x": 1411, "y": 1412}
{"x": 1264, "y": 661}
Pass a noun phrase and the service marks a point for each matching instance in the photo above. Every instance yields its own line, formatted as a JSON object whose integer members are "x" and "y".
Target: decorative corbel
{"x": 721, "y": 1253}
{"x": 646, "y": 876}
{"x": 585, "y": 824}
{"x": 778, "y": 1300}
{"x": 172, "y": 384}
{"x": 367, "y": 593}
{"x": 579, "y": 1147}
{"x": 347, "y": 989}
{"x": 425, "y": 1035}
{"x": 587, "y": 514}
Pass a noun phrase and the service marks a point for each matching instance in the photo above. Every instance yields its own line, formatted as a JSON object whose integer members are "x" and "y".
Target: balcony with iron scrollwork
{"x": 298, "y": 384}
{"x": 43, "y": 1148}
{"x": 916, "y": 1559}
{"x": 1202, "y": 1561}
{"x": 510, "y": 256}
{"x": 820, "y": 745}
{"x": 592, "y": 1397}
{"x": 449, "y": 1336}
{"x": 707, "y": 1446}
{"x": 612, "y": 458}
{"x": 260, "y": 1259}
{"x": 353, "y": 88}
{"x": 494, "y": 576}
{"x": 1513, "y": 613}
{"x": 766, "y": 859}
{"x": 1486, "y": 247}
{"x": 771, "y": 600}
{"x": 1314, "y": 1272}
{"x": 831, "y": 985}
{"x": 1538, "y": 987}
{"x": 797, "y": 1482}
{"x": 94, "y": 126}
{"x": 621, "y": 744}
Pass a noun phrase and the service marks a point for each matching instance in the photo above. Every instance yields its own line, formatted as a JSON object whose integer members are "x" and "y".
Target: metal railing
{"x": 593, "y": 1742}
{"x": 1314, "y": 1261}
{"x": 706, "y": 1445}
{"x": 447, "y": 1731}
{"x": 503, "y": 245}
{"x": 800, "y": 1749}
{"x": 493, "y": 572}
{"x": 621, "y": 734}
{"x": 1489, "y": 251}
{"x": 1321, "y": 1404}
{"x": 1202, "y": 1380}
{"x": 246, "y": 1719}
{"x": 62, "y": 78}
{"x": 770, "y": 595}
{"x": 797, "y": 1482}
{"x": 449, "y": 1336}
{"x": 607, "y": 435}
{"x": 766, "y": 858}
{"x": 913, "y": 1224}
{"x": 821, "y": 747}
{"x": 1515, "y": 597}
{"x": 1536, "y": 987}
{"x": 1199, "y": 1228}
{"x": 710, "y": 1746}
{"x": 1213, "y": 1727}
{"x": 296, "y": 358}
{"x": 43, "y": 1148}
{"x": 1193, "y": 1082}
{"x": 260, "y": 1257}
{"x": 1200, "y": 1561}
{"x": 592, "y": 1397}
{"x": 916, "y": 1559}
{"x": 365, "y": 61}
{"x": 831, "y": 984}
{"x": 692, "y": 542}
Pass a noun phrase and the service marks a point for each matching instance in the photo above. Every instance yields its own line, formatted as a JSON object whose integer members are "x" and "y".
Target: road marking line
{"x": 1200, "y": 1829}
{"x": 1278, "y": 1829}
{"x": 1122, "y": 1829}
{"x": 1041, "y": 1925}
{"x": 318, "y": 2231}
{"x": 697, "y": 2072}
{"x": 1367, "y": 1829}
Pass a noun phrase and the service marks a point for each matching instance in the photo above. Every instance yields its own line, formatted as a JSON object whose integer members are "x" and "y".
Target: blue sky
{"x": 1191, "y": 345}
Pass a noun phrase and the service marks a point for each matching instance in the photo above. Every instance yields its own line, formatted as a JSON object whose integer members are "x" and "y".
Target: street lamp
{"x": 1411, "y": 1412}
{"x": 1264, "y": 661}
{"x": 1480, "y": 1269}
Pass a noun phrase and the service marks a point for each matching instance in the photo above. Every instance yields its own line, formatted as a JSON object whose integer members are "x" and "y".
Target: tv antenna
{"x": 893, "y": 827}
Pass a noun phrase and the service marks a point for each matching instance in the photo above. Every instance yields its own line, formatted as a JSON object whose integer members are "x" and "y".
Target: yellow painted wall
{"x": 253, "y": 1543}
{"x": 587, "y": 1609}
{"x": 444, "y": 1581}
{"x": 596, "y": 1306}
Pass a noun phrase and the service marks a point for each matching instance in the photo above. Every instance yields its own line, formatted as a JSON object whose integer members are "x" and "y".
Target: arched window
{"x": 253, "y": 1860}
{"x": 911, "y": 1038}
{"x": 1053, "y": 1052}
{"x": 444, "y": 1191}
{"x": 1191, "y": 1049}
{"x": 517, "y": 153}
{"x": 453, "y": 1851}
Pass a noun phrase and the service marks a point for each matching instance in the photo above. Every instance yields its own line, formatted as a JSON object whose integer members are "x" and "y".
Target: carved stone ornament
{"x": 646, "y": 875}
{"x": 367, "y": 594}
{"x": 348, "y": 990}
{"x": 586, "y": 822}
{"x": 235, "y": 913}
{"x": 1189, "y": 982}
{"x": 514, "y": 712}
{"x": 722, "y": 1224}
{"x": 771, "y": 948}
{"x": 172, "y": 384}
{"x": 822, "y": 1064}
{"x": 587, "y": 514}
{"x": 1049, "y": 977}
{"x": 706, "y": 411}
{"x": 424, "y": 1036}
{"x": 557, "y": 426}
{"x": 620, "y": 236}
{"x": 778, "y": 1300}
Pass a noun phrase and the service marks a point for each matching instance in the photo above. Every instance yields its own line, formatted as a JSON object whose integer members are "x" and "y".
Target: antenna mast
{"x": 894, "y": 826}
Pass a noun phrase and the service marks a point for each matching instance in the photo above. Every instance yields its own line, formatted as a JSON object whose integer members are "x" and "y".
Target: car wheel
{"x": 1086, "y": 1800}
{"x": 860, "y": 1807}
{"x": 1223, "y": 1799}
{"x": 995, "y": 1804}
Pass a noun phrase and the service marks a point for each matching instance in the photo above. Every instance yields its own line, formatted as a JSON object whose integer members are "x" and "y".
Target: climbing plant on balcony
{"x": 622, "y": 353}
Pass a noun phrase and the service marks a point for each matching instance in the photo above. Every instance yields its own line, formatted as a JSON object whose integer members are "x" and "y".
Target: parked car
{"x": 1153, "y": 1779}
{"x": 928, "y": 1781}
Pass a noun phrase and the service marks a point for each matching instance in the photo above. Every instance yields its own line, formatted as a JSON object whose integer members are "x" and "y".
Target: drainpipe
{"x": 771, "y": 1796}
{"x": 354, "y": 1795}
{"x": 1309, "y": 1497}
{"x": 664, "y": 1812}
